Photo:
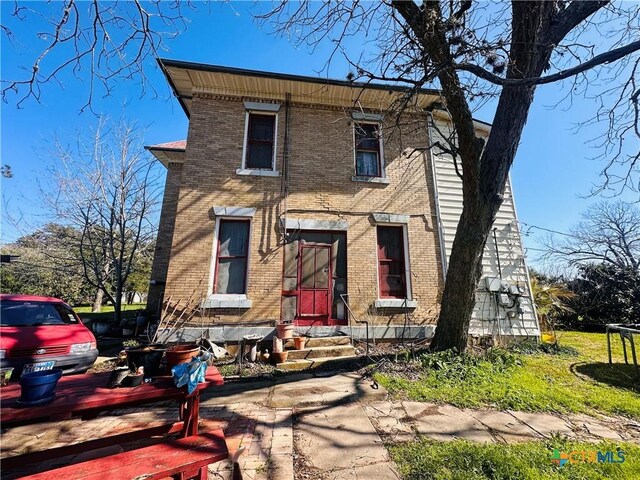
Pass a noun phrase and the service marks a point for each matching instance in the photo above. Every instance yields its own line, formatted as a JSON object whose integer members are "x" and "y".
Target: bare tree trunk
{"x": 117, "y": 305}
{"x": 481, "y": 205}
{"x": 97, "y": 301}
{"x": 463, "y": 274}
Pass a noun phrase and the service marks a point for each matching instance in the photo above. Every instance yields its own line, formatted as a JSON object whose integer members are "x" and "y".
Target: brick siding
{"x": 321, "y": 164}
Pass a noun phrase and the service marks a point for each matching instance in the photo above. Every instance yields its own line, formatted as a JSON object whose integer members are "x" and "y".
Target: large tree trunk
{"x": 484, "y": 181}
{"x": 463, "y": 274}
{"x": 480, "y": 208}
{"x": 97, "y": 301}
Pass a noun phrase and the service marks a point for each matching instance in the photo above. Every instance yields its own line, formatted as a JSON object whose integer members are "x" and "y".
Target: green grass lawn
{"x": 581, "y": 381}
{"x": 128, "y": 311}
{"x": 109, "y": 308}
{"x": 462, "y": 460}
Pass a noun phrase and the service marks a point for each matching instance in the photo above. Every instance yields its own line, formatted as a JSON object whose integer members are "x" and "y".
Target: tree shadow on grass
{"x": 618, "y": 375}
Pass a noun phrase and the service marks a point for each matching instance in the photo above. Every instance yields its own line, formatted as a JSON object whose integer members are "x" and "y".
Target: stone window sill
{"x": 382, "y": 180}
{"x": 395, "y": 303}
{"x": 258, "y": 173}
{"x": 227, "y": 301}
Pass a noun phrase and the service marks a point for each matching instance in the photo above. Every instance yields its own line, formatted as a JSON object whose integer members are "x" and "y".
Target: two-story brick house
{"x": 302, "y": 199}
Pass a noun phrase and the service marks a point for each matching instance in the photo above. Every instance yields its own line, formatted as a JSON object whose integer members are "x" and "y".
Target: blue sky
{"x": 551, "y": 172}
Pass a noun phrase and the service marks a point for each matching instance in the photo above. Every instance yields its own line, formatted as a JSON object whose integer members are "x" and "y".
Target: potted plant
{"x": 178, "y": 354}
{"x": 37, "y": 388}
{"x": 284, "y": 330}
{"x": 278, "y": 354}
{"x": 147, "y": 356}
{"x": 299, "y": 342}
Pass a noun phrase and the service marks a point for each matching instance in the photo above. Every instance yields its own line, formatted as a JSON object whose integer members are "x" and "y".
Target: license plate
{"x": 37, "y": 367}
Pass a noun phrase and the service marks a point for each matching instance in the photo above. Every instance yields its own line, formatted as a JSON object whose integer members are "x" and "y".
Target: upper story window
{"x": 368, "y": 150}
{"x": 260, "y": 141}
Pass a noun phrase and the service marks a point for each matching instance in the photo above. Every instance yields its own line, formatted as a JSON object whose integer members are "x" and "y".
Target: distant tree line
{"x": 604, "y": 253}
{"x": 48, "y": 263}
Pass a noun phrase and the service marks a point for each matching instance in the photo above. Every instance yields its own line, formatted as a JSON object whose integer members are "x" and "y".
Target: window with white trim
{"x": 260, "y": 139}
{"x": 391, "y": 262}
{"x": 260, "y": 142}
{"x": 232, "y": 254}
{"x": 368, "y": 150}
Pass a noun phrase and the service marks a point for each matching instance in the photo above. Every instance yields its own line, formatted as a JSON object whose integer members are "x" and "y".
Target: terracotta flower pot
{"x": 285, "y": 330}
{"x": 181, "y": 354}
{"x": 278, "y": 357}
{"x": 299, "y": 342}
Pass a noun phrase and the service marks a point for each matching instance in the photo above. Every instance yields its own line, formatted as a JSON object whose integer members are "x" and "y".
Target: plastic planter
{"x": 39, "y": 386}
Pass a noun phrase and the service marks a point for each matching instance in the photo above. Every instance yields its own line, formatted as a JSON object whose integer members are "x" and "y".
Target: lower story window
{"x": 231, "y": 262}
{"x": 391, "y": 267}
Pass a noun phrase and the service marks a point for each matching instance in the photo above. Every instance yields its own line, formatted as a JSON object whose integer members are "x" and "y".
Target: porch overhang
{"x": 188, "y": 78}
{"x": 170, "y": 152}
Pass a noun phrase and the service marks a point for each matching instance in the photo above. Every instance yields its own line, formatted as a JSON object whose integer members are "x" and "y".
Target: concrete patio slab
{"x": 338, "y": 438}
{"x": 445, "y": 422}
{"x": 390, "y": 421}
{"x": 592, "y": 428}
{"x": 503, "y": 426}
{"x": 544, "y": 424}
{"x": 313, "y": 391}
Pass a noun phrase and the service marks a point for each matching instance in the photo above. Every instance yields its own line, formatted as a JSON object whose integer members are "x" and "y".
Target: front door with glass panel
{"x": 315, "y": 282}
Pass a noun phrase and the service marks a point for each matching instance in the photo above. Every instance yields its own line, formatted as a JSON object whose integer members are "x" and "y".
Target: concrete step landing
{"x": 302, "y": 364}
{"x": 321, "y": 341}
{"x": 321, "y": 352}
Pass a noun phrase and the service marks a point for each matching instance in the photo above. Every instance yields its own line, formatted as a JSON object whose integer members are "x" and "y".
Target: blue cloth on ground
{"x": 190, "y": 374}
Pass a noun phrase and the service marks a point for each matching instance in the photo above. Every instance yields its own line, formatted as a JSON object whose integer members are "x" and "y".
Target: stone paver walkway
{"x": 325, "y": 427}
{"x": 404, "y": 420}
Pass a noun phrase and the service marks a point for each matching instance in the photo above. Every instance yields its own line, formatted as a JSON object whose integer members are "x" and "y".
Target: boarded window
{"x": 367, "y": 150}
{"x": 391, "y": 268}
{"x": 231, "y": 264}
{"x": 260, "y": 139}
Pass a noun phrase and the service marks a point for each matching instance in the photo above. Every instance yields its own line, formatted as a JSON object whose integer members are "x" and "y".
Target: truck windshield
{"x": 15, "y": 313}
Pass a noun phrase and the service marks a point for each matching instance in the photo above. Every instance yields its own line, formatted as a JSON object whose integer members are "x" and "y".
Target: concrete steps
{"x": 297, "y": 365}
{"x": 322, "y": 352}
{"x": 318, "y": 351}
{"x": 321, "y": 341}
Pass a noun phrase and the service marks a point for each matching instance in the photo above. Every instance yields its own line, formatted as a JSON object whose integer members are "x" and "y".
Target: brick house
{"x": 296, "y": 199}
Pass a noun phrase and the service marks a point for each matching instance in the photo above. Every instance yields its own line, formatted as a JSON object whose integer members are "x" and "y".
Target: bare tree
{"x": 473, "y": 51}
{"x": 102, "y": 41}
{"x": 608, "y": 233}
{"x": 107, "y": 190}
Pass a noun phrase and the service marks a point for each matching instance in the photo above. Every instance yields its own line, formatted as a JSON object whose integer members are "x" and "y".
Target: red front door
{"x": 315, "y": 282}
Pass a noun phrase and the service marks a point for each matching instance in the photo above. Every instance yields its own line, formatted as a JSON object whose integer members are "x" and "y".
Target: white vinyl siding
{"x": 486, "y": 315}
